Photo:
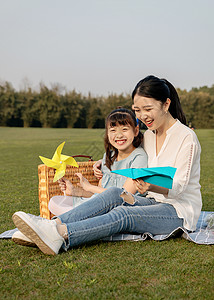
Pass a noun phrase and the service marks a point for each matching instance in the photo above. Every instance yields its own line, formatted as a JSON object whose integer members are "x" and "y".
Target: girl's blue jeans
{"x": 108, "y": 214}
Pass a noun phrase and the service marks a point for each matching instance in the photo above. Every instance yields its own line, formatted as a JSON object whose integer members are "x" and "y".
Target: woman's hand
{"x": 96, "y": 167}
{"x": 84, "y": 183}
{"x": 141, "y": 185}
{"x": 66, "y": 186}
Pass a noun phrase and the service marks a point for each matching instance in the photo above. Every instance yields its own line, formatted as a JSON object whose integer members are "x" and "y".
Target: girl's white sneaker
{"x": 20, "y": 239}
{"x": 40, "y": 231}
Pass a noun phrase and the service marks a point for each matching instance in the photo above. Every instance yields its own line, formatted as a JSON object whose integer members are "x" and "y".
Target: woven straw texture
{"x": 48, "y": 188}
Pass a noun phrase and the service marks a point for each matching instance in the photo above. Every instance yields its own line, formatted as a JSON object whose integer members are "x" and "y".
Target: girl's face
{"x": 122, "y": 136}
{"x": 150, "y": 111}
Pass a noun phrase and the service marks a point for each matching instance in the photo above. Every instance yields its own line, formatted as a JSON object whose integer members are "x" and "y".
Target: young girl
{"x": 168, "y": 142}
{"x": 122, "y": 140}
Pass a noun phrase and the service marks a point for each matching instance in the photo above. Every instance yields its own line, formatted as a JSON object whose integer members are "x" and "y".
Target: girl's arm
{"x": 129, "y": 185}
{"x": 87, "y": 186}
{"x": 70, "y": 190}
{"x": 139, "y": 161}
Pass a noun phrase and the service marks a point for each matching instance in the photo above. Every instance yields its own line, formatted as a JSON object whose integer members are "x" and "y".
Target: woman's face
{"x": 150, "y": 111}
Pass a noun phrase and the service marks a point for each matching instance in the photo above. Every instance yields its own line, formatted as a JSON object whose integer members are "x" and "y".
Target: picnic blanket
{"x": 204, "y": 233}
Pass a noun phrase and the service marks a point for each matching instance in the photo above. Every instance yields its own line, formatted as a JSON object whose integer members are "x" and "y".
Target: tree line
{"x": 56, "y": 108}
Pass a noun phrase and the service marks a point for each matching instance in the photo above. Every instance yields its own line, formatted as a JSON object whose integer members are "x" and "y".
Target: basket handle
{"x": 85, "y": 156}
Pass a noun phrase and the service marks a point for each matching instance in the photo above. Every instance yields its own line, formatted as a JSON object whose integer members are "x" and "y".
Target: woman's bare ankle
{"x": 62, "y": 229}
{"x": 58, "y": 221}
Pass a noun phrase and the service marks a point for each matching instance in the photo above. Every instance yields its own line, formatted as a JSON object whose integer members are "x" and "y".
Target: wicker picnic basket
{"x": 48, "y": 188}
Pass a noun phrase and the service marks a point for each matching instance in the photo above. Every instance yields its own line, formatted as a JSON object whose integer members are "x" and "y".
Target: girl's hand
{"x": 66, "y": 186}
{"x": 141, "y": 185}
{"x": 96, "y": 167}
{"x": 84, "y": 183}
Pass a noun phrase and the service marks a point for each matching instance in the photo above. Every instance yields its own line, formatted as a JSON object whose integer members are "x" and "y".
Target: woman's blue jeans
{"x": 108, "y": 214}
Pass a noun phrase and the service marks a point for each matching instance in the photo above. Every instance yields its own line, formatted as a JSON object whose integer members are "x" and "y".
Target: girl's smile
{"x": 120, "y": 142}
{"x": 121, "y": 137}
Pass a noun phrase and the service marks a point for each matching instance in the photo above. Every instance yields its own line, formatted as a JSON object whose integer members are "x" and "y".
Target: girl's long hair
{"x": 161, "y": 89}
{"x": 121, "y": 116}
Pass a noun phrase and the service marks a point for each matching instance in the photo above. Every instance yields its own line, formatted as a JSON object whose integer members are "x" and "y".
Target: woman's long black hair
{"x": 160, "y": 89}
{"x": 121, "y": 116}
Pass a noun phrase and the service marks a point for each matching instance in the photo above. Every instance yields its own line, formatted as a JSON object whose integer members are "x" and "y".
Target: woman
{"x": 168, "y": 142}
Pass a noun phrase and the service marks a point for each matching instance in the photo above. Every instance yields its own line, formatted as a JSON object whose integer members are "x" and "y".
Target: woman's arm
{"x": 139, "y": 161}
{"x": 188, "y": 167}
{"x": 142, "y": 187}
{"x": 129, "y": 186}
{"x": 187, "y": 162}
{"x": 97, "y": 169}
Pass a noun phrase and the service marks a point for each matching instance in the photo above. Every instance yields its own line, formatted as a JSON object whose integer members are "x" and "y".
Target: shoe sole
{"x": 23, "y": 243}
{"x": 29, "y": 232}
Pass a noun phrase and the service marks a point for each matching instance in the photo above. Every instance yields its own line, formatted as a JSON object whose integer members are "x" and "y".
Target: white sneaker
{"x": 40, "y": 231}
{"x": 20, "y": 239}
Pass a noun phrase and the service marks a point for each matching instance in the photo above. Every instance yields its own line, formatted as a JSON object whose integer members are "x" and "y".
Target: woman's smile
{"x": 149, "y": 123}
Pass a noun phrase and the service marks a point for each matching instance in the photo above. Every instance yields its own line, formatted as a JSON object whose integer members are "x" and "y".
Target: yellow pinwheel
{"x": 59, "y": 162}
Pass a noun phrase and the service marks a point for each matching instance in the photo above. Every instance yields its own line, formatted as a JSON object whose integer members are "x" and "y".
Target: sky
{"x": 106, "y": 46}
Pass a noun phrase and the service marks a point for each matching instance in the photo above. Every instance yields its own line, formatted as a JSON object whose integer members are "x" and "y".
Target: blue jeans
{"x": 107, "y": 214}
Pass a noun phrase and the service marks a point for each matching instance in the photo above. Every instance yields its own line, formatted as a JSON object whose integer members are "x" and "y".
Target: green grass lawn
{"x": 172, "y": 269}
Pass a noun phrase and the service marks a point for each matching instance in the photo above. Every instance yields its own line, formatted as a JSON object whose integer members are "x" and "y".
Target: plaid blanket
{"x": 204, "y": 233}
